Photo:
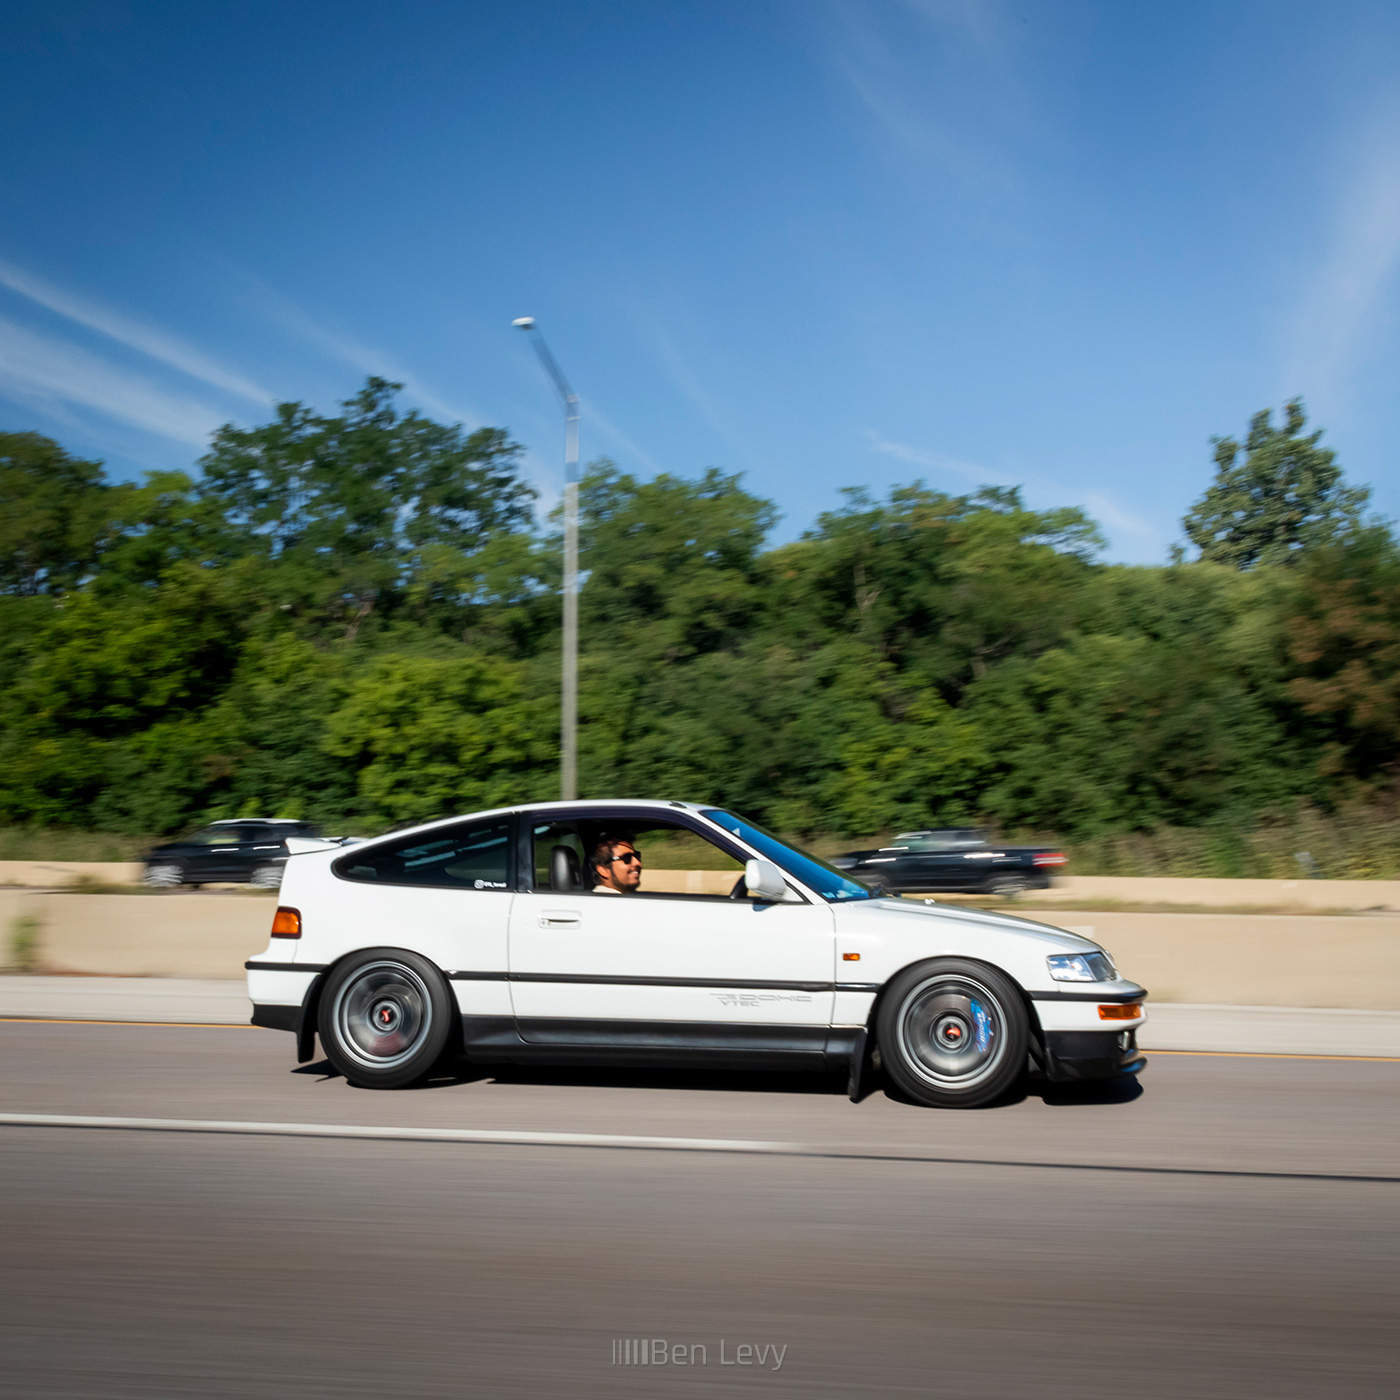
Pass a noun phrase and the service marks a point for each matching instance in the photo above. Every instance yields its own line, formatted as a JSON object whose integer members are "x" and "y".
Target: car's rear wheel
{"x": 1007, "y": 886}
{"x": 164, "y": 876}
{"x": 385, "y": 1018}
{"x": 266, "y": 877}
{"x": 953, "y": 1033}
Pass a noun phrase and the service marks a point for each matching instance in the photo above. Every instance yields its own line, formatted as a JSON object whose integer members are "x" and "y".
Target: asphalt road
{"x": 1230, "y": 1228}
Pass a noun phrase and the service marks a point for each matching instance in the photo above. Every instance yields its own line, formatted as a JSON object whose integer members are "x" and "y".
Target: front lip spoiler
{"x": 1071, "y": 1057}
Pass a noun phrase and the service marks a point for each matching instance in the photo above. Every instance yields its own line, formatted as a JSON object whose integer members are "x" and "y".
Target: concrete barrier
{"x": 53, "y": 874}
{"x": 1237, "y": 959}
{"x": 1250, "y": 959}
{"x": 180, "y": 934}
{"x": 1261, "y": 894}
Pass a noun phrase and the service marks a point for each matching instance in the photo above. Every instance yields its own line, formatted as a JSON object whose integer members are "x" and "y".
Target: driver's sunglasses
{"x": 629, "y": 856}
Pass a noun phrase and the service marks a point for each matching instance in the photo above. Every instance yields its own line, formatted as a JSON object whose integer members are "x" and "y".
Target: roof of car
{"x": 269, "y": 821}
{"x": 545, "y": 808}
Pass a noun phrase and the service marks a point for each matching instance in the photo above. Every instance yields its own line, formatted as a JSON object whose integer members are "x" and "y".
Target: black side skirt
{"x": 671, "y": 1043}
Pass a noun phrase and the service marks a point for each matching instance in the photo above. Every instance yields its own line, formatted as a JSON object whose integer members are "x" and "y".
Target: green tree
{"x": 1285, "y": 496}
{"x": 1121, "y": 733}
{"x": 54, "y": 515}
{"x": 432, "y": 735}
{"x": 1344, "y": 643}
{"x": 346, "y": 506}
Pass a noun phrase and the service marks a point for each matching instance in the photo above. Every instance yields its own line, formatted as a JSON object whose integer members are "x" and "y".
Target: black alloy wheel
{"x": 953, "y": 1033}
{"x": 385, "y": 1018}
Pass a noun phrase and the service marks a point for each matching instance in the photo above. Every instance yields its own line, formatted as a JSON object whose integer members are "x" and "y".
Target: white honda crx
{"x": 484, "y": 935}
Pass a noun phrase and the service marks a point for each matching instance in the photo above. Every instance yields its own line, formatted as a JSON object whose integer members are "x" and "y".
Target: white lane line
{"x": 663, "y": 1144}
{"x": 350, "y": 1130}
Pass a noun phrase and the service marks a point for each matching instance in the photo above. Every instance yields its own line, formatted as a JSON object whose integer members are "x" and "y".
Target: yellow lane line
{"x": 1276, "y": 1055}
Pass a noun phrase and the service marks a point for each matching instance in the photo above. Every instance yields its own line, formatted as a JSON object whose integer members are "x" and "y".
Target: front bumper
{"x": 1071, "y": 1056}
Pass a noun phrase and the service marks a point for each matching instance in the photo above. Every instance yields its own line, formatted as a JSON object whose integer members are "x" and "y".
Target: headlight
{"x": 1082, "y": 967}
{"x": 844, "y": 863}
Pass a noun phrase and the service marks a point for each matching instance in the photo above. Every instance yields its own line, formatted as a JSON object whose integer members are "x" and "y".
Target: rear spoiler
{"x": 304, "y": 845}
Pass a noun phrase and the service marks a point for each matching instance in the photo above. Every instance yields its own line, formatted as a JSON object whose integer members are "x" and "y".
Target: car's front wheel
{"x": 164, "y": 875}
{"x": 385, "y": 1018}
{"x": 953, "y": 1033}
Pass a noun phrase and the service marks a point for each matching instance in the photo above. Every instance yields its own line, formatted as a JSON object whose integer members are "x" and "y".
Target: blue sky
{"x": 824, "y": 244}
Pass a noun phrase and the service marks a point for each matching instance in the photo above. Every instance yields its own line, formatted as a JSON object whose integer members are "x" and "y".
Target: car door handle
{"x": 560, "y": 918}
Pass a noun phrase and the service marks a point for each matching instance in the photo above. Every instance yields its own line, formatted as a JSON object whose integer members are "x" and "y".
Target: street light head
{"x": 526, "y": 323}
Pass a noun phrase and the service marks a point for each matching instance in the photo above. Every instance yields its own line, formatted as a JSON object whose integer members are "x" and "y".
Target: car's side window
{"x": 470, "y": 856}
{"x": 674, "y": 859}
{"x": 215, "y": 836}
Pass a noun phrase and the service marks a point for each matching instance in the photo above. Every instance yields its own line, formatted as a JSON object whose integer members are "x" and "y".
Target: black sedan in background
{"x": 956, "y": 860}
{"x": 243, "y": 849}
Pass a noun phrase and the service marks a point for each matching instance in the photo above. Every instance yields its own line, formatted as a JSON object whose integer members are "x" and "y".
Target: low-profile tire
{"x": 164, "y": 875}
{"x": 385, "y": 1018}
{"x": 266, "y": 877}
{"x": 953, "y": 1033}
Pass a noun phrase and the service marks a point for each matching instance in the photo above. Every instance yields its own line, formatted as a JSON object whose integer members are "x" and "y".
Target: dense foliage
{"x": 355, "y": 619}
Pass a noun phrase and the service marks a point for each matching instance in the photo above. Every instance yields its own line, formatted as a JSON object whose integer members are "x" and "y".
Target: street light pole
{"x": 568, "y": 727}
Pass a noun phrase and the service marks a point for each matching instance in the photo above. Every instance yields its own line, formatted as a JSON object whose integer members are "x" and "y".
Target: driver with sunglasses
{"x": 617, "y": 865}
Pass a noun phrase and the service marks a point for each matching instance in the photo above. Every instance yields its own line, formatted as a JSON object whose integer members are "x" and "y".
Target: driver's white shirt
{"x": 605, "y": 889}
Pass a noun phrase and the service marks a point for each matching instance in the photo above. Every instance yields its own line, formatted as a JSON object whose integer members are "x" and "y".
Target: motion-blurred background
{"x": 947, "y": 376}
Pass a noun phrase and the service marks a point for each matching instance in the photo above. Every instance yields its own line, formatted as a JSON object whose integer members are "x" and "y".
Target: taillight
{"x": 286, "y": 923}
{"x": 1048, "y": 858}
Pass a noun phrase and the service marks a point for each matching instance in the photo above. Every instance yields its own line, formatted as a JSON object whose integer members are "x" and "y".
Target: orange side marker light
{"x": 286, "y": 923}
{"x": 850, "y": 957}
{"x": 1121, "y": 1011}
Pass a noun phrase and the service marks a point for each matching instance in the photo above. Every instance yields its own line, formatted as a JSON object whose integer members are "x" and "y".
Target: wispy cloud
{"x": 1341, "y": 304}
{"x": 871, "y": 46}
{"x": 1100, "y": 505}
{"x": 337, "y": 345}
{"x": 1119, "y": 519}
{"x": 45, "y": 372}
{"x": 152, "y": 341}
{"x": 592, "y": 413}
{"x": 683, "y": 377}
{"x": 935, "y": 461}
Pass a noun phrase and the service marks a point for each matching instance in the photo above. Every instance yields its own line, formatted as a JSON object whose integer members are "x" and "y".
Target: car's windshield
{"x": 816, "y": 874}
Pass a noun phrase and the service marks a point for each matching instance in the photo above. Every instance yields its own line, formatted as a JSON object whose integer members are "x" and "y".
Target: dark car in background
{"x": 249, "y": 850}
{"x": 951, "y": 861}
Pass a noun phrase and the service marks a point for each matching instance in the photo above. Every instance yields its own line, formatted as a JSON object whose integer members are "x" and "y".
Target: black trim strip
{"x": 1139, "y": 995}
{"x": 702, "y": 1044}
{"x": 731, "y": 984}
{"x": 674, "y": 1035}
{"x": 284, "y": 967}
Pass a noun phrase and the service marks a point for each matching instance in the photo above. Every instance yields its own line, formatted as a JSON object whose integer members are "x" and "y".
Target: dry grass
{"x": 24, "y": 952}
{"x": 33, "y": 843}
